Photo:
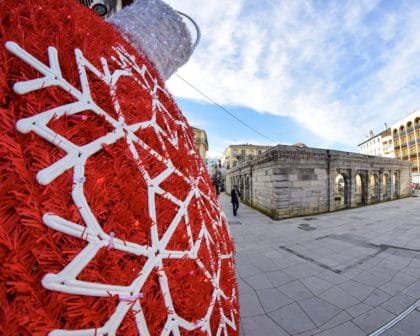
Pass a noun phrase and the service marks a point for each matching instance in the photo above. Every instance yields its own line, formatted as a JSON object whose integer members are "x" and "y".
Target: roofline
{"x": 249, "y": 145}
{"x": 376, "y": 135}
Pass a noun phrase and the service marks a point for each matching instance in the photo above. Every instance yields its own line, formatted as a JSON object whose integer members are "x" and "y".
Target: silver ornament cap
{"x": 156, "y": 29}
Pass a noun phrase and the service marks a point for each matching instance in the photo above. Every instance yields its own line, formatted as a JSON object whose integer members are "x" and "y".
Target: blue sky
{"x": 319, "y": 72}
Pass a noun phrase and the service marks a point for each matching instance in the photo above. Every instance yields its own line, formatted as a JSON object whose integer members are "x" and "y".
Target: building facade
{"x": 201, "y": 143}
{"x": 400, "y": 141}
{"x": 288, "y": 181}
{"x": 374, "y": 145}
{"x": 387, "y": 144}
{"x": 406, "y": 141}
{"x": 238, "y": 153}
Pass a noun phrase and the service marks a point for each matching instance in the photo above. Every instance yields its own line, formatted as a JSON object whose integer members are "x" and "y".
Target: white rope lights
{"x": 76, "y": 158}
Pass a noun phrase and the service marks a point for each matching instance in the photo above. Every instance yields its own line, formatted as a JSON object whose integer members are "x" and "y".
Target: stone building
{"x": 387, "y": 145}
{"x": 236, "y": 153}
{"x": 201, "y": 143}
{"x": 288, "y": 181}
{"x": 401, "y": 141}
{"x": 406, "y": 139}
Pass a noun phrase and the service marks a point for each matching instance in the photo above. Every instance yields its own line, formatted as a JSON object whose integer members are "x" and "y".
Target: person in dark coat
{"x": 235, "y": 195}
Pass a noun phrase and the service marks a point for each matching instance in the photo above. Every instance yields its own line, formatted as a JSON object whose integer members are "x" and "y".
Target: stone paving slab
{"x": 373, "y": 319}
{"x": 407, "y": 327}
{"x": 262, "y": 325}
{"x": 345, "y": 329}
{"x": 292, "y": 318}
{"x": 352, "y": 273}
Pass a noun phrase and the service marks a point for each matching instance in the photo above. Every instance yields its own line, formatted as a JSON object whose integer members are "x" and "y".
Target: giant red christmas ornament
{"x": 109, "y": 223}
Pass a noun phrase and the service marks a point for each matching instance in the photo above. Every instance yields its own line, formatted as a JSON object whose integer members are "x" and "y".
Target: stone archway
{"x": 247, "y": 190}
{"x": 360, "y": 197}
{"x": 386, "y": 187}
{"x": 241, "y": 187}
{"x": 396, "y": 185}
{"x": 374, "y": 188}
{"x": 341, "y": 191}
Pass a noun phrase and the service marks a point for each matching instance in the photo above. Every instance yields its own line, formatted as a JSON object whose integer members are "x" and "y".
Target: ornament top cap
{"x": 156, "y": 29}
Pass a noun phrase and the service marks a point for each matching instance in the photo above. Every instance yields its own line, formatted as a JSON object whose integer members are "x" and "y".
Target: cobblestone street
{"x": 347, "y": 273}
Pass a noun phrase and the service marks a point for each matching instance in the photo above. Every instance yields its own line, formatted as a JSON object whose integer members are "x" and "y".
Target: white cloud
{"x": 339, "y": 69}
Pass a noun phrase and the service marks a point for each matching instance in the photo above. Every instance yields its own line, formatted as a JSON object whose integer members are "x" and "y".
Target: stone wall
{"x": 289, "y": 181}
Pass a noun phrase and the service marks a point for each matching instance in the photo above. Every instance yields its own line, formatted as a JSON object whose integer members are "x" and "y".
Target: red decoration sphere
{"x": 109, "y": 221}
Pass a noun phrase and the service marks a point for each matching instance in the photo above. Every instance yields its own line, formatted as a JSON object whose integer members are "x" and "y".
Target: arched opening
{"x": 360, "y": 196}
{"x": 417, "y": 128}
{"x": 374, "y": 188}
{"x": 396, "y": 185}
{"x": 341, "y": 191}
{"x": 247, "y": 194}
{"x": 410, "y": 133}
{"x": 241, "y": 187}
{"x": 386, "y": 187}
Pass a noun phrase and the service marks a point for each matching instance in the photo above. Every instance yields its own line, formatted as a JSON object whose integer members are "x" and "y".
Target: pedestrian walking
{"x": 235, "y": 195}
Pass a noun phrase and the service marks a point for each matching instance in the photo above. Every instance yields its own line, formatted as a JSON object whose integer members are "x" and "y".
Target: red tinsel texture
{"x": 116, "y": 191}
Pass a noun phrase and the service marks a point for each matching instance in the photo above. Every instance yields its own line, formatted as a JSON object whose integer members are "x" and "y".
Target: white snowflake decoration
{"x": 76, "y": 158}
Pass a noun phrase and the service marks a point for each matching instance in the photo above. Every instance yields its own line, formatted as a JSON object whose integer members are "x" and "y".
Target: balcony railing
{"x": 410, "y": 129}
{"x": 243, "y": 157}
{"x": 200, "y": 139}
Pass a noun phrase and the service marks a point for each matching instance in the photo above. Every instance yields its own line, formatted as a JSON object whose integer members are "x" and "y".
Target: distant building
{"x": 387, "y": 145}
{"x": 406, "y": 140}
{"x": 217, "y": 174}
{"x": 237, "y": 153}
{"x": 400, "y": 141}
{"x": 200, "y": 140}
{"x": 300, "y": 145}
{"x": 372, "y": 145}
{"x": 212, "y": 162}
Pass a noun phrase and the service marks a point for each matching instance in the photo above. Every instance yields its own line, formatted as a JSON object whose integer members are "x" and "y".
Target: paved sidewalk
{"x": 346, "y": 273}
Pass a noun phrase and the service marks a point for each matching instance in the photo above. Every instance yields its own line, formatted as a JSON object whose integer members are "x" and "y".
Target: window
{"x": 243, "y": 151}
{"x": 235, "y": 163}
